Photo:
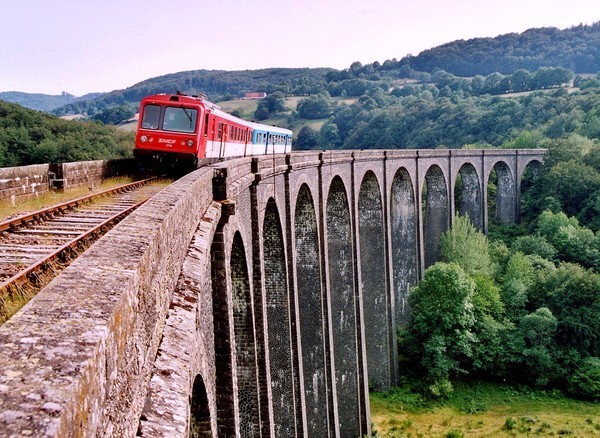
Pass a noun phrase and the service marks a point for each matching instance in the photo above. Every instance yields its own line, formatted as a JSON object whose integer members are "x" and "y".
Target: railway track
{"x": 35, "y": 247}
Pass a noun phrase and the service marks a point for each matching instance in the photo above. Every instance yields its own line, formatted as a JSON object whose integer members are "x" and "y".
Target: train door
{"x": 267, "y": 137}
{"x": 223, "y": 144}
{"x": 203, "y": 136}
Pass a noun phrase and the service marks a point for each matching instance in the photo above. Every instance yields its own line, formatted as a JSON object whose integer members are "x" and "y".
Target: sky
{"x": 85, "y": 46}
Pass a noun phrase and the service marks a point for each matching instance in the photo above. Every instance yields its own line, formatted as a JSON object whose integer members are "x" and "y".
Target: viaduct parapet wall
{"x": 18, "y": 184}
{"x": 253, "y": 297}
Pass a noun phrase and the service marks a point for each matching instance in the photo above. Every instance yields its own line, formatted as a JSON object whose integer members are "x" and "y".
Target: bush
{"x": 585, "y": 381}
{"x": 534, "y": 244}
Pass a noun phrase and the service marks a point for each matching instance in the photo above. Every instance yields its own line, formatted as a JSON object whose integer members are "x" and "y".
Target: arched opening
{"x": 467, "y": 195}
{"x": 343, "y": 307}
{"x": 502, "y": 194}
{"x": 278, "y": 320}
{"x": 199, "y": 411}
{"x": 245, "y": 347}
{"x": 436, "y": 213}
{"x": 405, "y": 259}
{"x": 308, "y": 275}
{"x": 373, "y": 282}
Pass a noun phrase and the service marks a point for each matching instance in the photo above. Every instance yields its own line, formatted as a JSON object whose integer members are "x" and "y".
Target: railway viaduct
{"x": 254, "y": 297}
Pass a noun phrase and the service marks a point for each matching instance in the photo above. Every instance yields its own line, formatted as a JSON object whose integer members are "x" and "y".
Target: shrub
{"x": 585, "y": 381}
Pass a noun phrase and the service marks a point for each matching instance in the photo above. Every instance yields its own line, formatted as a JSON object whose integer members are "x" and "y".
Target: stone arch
{"x": 278, "y": 320}
{"x": 373, "y": 282}
{"x": 245, "y": 345}
{"x": 343, "y": 307}
{"x": 199, "y": 410}
{"x": 309, "y": 292}
{"x": 505, "y": 200}
{"x": 437, "y": 216}
{"x": 405, "y": 257}
{"x": 468, "y": 195}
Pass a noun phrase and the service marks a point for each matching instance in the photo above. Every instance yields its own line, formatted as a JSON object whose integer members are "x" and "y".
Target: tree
{"x": 330, "y": 136}
{"x": 307, "y": 139}
{"x": 573, "y": 242}
{"x": 534, "y": 244}
{"x": 115, "y": 114}
{"x": 520, "y": 80}
{"x": 270, "y": 106}
{"x": 585, "y": 380}
{"x": 439, "y": 334}
{"x": 518, "y": 277}
{"x": 464, "y": 245}
{"x": 573, "y": 295}
{"x": 314, "y": 107}
{"x": 537, "y": 330}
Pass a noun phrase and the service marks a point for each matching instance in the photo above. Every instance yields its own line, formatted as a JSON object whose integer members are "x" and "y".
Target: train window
{"x": 151, "y": 117}
{"x": 180, "y": 119}
{"x": 219, "y": 131}
{"x": 206, "y": 121}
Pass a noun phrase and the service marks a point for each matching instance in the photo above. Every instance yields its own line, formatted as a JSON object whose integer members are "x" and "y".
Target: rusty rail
{"x": 20, "y": 287}
{"x": 39, "y": 215}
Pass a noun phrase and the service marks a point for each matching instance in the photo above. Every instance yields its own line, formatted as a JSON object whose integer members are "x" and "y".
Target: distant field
{"x": 547, "y": 90}
{"x": 129, "y": 126}
{"x": 247, "y": 108}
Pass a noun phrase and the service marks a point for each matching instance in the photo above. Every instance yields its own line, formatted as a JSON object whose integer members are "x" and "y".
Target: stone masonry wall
{"x": 18, "y": 184}
{"x": 92, "y": 173}
{"x": 25, "y": 182}
{"x": 77, "y": 359}
{"x": 175, "y": 323}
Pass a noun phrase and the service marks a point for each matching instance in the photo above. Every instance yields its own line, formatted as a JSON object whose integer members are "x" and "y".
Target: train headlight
{"x": 143, "y": 139}
{"x": 190, "y": 143}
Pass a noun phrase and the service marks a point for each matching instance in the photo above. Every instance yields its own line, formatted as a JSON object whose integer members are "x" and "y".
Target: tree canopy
{"x": 31, "y": 137}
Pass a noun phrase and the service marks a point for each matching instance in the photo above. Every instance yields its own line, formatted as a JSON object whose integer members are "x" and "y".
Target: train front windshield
{"x": 174, "y": 119}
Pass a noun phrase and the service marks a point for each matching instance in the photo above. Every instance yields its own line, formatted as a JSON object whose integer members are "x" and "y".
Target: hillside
{"x": 31, "y": 137}
{"x": 215, "y": 84}
{"x": 576, "y": 48}
{"x": 43, "y": 102}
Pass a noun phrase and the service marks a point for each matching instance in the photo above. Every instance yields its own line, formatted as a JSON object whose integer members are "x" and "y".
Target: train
{"x": 183, "y": 130}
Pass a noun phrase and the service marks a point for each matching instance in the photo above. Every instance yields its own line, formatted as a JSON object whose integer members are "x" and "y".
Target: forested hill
{"x": 576, "y": 48}
{"x": 43, "y": 102}
{"x": 31, "y": 137}
{"x": 216, "y": 84}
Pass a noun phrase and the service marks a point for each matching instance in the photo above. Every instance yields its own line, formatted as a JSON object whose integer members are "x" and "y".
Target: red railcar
{"x": 180, "y": 128}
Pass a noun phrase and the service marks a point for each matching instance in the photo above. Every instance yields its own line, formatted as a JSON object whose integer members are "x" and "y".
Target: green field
{"x": 247, "y": 108}
{"x": 483, "y": 410}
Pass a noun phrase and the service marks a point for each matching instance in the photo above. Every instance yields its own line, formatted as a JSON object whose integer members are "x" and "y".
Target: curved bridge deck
{"x": 254, "y": 297}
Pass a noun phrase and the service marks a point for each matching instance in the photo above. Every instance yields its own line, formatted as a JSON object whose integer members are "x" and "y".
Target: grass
{"x": 245, "y": 107}
{"x": 48, "y": 199}
{"x": 483, "y": 410}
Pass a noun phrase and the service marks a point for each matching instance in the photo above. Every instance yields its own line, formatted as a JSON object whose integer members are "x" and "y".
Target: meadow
{"x": 479, "y": 409}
